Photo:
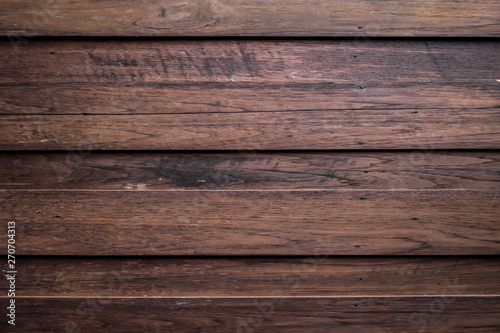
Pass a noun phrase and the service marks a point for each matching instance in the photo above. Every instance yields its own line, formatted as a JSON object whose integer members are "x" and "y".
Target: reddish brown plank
{"x": 452, "y": 313}
{"x": 158, "y": 76}
{"x": 265, "y": 222}
{"x": 418, "y": 169}
{"x": 362, "y": 95}
{"x": 335, "y": 129}
{"x": 117, "y": 98}
{"x": 250, "y": 18}
{"x": 232, "y": 62}
{"x": 237, "y": 277}
{"x": 153, "y": 76}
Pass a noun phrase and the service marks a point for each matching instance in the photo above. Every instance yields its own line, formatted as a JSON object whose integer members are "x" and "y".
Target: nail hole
{"x": 361, "y": 278}
{"x": 361, "y": 143}
{"x": 360, "y": 27}
{"x": 357, "y": 245}
{"x": 362, "y": 198}
{"x": 414, "y": 219}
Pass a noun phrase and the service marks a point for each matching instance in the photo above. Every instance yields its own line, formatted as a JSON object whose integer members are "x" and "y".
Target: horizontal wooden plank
{"x": 237, "y": 277}
{"x": 273, "y": 314}
{"x": 322, "y": 107}
{"x": 250, "y": 18}
{"x": 237, "y": 61}
{"x": 155, "y": 98}
{"x": 419, "y": 169}
{"x": 378, "y": 94}
{"x": 265, "y": 222}
{"x": 360, "y": 129}
{"x": 171, "y": 76}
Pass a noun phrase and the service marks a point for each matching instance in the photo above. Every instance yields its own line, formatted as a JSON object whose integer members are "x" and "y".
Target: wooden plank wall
{"x": 251, "y": 166}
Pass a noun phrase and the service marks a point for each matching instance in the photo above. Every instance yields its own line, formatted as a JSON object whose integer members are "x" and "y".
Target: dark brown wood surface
{"x": 190, "y": 97}
{"x": 250, "y": 18}
{"x": 253, "y": 95}
{"x": 257, "y": 277}
{"x": 211, "y": 76}
{"x": 257, "y": 222}
{"x": 290, "y": 61}
{"x": 233, "y": 184}
{"x": 335, "y": 129}
{"x": 447, "y": 313}
{"x": 418, "y": 169}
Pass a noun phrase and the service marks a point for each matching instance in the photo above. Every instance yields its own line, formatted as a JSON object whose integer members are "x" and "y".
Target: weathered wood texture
{"x": 370, "y": 205}
{"x": 179, "y": 76}
{"x": 453, "y": 313}
{"x": 419, "y": 169}
{"x": 237, "y": 277}
{"x": 250, "y": 18}
{"x": 304, "y": 99}
{"x": 360, "y": 129}
{"x": 282, "y": 130}
{"x": 204, "y": 97}
{"x": 259, "y": 222}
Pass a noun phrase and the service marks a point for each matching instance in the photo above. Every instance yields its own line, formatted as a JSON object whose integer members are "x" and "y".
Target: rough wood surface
{"x": 259, "y": 222}
{"x": 236, "y": 277}
{"x": 452, "y": 313}
{"x": 418, "y": 169}
{"x": 360, "y": 129}
{"x": 250, "y": 61}
{"x": 156, "y": 98}
{"x": 184, "y": 76}
{"x": 352, "y": 185}
{"x": 272, "y": 94}
{"x": 250, "y": 18}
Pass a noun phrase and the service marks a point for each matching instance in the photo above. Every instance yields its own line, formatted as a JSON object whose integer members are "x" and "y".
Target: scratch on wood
{"x": 434, "y": 61}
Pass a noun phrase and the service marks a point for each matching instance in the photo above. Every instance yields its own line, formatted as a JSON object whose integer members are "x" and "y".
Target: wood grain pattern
{"x": 250, "y": 18}
{"x": 362, "y": 129}
{"x": 228, "y": 184}
{"x": 250, "y": 61}
{"x": 157, "y": 98}
{"x": 179, "y": 76}
{"x": 454, "y": 313}
{"x": 237, "y": 277}
{"x": 265, "y": 222}
{"x": 419, "y": 169}
{"x": 253, "y": 94}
